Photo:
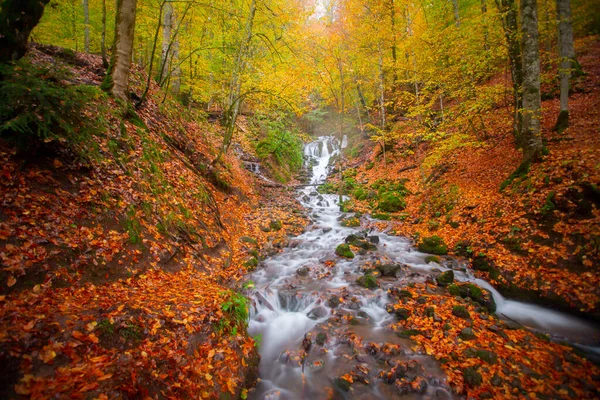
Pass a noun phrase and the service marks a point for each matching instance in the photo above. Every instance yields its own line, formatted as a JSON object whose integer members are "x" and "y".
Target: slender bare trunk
{"x": 566, "y": 51}
{"x": 166, "y": 41}
{"x": 117, "y": 77}
{"x": 103, "y": 37}
{"x": 86, "y": 26}
{"x": 531, "y": 112}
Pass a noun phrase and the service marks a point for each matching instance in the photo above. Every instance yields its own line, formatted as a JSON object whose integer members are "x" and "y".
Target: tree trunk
{"x": 508, "y": 12}
{"x": 486, "y": 45}
{"x": 235, "y": 99}
{"x": 176, "y": 73}
{"x": 103, "y": 37}
{"x": 86, "y": 26}
{"x": 532, "y": 104}
{"x": 166, "y": 42}
{"x": 17, "y": 20}
{"x": 456, "y": 14}
{"x": 566, "y": 51}
{"x": 117, "y": 76}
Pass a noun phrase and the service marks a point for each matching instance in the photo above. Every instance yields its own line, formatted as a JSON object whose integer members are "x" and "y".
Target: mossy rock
{"x": 275, "y": 225}
{"x": 409, "y": 333}
{"x": 342, "y": 384}
{"x": 430, "y": 259}
{"x": 360, "y": 243}
{"x": 343, "y": 250}
{"x": 472, "y": 377}
{"x": 350, "y": 222}
{"x": 481, "y": 263}
{"x": 389, "y": 269}
{"x": 429, "y": 312}
{"x": 391, "y": 202}
{"x": 433, "y": 245}
{"x": 368, "y": 281}
{"x": 487, "y": 356}
{"x": 251, "y": 263}
{"x": 381, "y": 216}
{"x": 475, "y": 293}
{"x": 461, "y": 312}
{"x": 445, "y": 278}
{"x": 402, "y": 313}
{"x": 467, "y": 334}
{"x": 248, "y": 239}
{"x": 321, "y": 338}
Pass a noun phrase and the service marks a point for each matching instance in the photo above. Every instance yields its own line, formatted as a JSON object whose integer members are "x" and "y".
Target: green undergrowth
{"x": 41, "y": 110}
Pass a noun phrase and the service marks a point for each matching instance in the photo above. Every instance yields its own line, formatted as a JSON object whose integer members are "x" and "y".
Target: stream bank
{"x": 348, "y": 312}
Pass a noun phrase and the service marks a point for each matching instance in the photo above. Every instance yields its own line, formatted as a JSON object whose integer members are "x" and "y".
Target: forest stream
{"x": 298, "y": 308}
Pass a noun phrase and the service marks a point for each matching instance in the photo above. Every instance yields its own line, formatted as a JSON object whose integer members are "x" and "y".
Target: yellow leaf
{"x": 208, "y": 377}
{"x": 11, "y": 281}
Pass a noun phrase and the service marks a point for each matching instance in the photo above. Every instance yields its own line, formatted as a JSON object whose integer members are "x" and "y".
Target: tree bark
{"x": 166, "y": 42}
{"x": 117, "y": 77}
{"x": 532, "y": 103}
{"x": 456, "y": 13}
{"x": 17, "y": 20}
{"x": 508, "y": 13}
{"x": 86, "y": 26}
{"x": 566, "y": 51}
{"x": 103, "y": 37}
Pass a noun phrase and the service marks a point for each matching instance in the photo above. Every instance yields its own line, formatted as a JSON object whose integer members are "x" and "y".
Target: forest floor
{"x": 120, "y": 272}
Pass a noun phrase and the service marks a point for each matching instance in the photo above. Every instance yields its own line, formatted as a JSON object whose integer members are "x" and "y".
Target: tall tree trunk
{"x": 86, "y": 26}
{"x": 532, "y": 104}
{"x": 508, "y": 13}
{"x": 176, "y": 73}
{"x": 234, "y": 99}
{"x": 117, "y": 76}
{"x": 456, "y": 13}
{"x": 166, "y": 41}
{"x": 17, "y": 20}
{"x": 103, "y": 37}
{"x": 566, "y": 52}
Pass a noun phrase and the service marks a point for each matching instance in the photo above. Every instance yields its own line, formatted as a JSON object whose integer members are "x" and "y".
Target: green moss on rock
{"x": 391, "y": 202}
{"x": 445, "y": 278}
{"x": 367, "y": 281}
{"x": 433, "y": 245}
{"x": 343, "y": 250}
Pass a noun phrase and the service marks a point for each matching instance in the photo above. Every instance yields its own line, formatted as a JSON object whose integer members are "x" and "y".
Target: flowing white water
{"x": 287, "y": 306}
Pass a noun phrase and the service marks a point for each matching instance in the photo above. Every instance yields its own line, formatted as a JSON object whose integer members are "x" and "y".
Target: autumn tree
{"x": 17, "y": 20}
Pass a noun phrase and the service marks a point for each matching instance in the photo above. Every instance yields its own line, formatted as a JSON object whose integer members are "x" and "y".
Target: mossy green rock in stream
{"x": 475, "y": 293}
{"x": 251, "y": 263}
{"x": 433, "y": 245}
{"x": 381, "y": 216}
{"x": 461, "y": 312}
{"x": 389, "y": 269}
{"x": 409, "y": 333}
{"x": 368, "y": 281}
{"x": 343, "y": 250}
{"x": 445, "y": 278}
{"x": 430, "y": 259}
{"x": 402, "y": 313}
{"x": 391, "y": 202}
{"x": 342, "y": 384}
{"x": 350, "y": 222}
{"x": 481, "y": 263}
{"x": 321, "y": 338}
{"x": 360, "y": 243}
{"x": 472, "y": 377}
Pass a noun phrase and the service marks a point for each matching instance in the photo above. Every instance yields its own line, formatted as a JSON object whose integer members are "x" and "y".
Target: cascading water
{"x": 295, "y": 295}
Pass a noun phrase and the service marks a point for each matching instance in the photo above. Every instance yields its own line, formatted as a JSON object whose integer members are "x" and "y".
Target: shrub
{"x": 39, "y": 108}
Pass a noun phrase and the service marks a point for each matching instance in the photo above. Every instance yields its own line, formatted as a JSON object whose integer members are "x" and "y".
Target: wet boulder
{"x": 472, "y": 377}
{"x": 350, "y": 222}
{"x": 432, "y": 259}
{"x": 321, "y": 338}
{"x": 373, "y": 239}
{"x": 467, "y": 334}
{"x": 343, "y": 250}
{"x": 461, "y": 312}
{"x": 416, "y": 386}
{"x": 334, "y": 301}
{"x": 445, "y": 278}
{"x": 303, "y": 271}
{"x": 368, "y": 281}
{"x": 389, "y": 269}
{"x": 433, "y": 245}
{"x": 475, "y": 293}
{"x": 319, "y": 311}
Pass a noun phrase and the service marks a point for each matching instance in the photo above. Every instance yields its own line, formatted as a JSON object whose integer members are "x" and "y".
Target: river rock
{"x": 373, "y": 239}
{"x": 334, "y": 301}
{"x": 461, "y": 312}
{"x": 472, "y": 377}
{"x": 467, "y": 334}
{"x": 321, "y": 338}
{"x": 389, "y": 269}
{"x": 317, "y": 313}
{"x": 445, "y": 278}
{"x": 327, "y": 229}
{"x": 303, "y": 271}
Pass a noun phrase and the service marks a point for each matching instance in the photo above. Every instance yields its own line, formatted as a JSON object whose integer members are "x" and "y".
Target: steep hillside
{"x": 121, "y": 246}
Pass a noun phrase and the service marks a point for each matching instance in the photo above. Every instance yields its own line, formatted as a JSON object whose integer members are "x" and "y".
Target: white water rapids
{"x": 286, "y": 306}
